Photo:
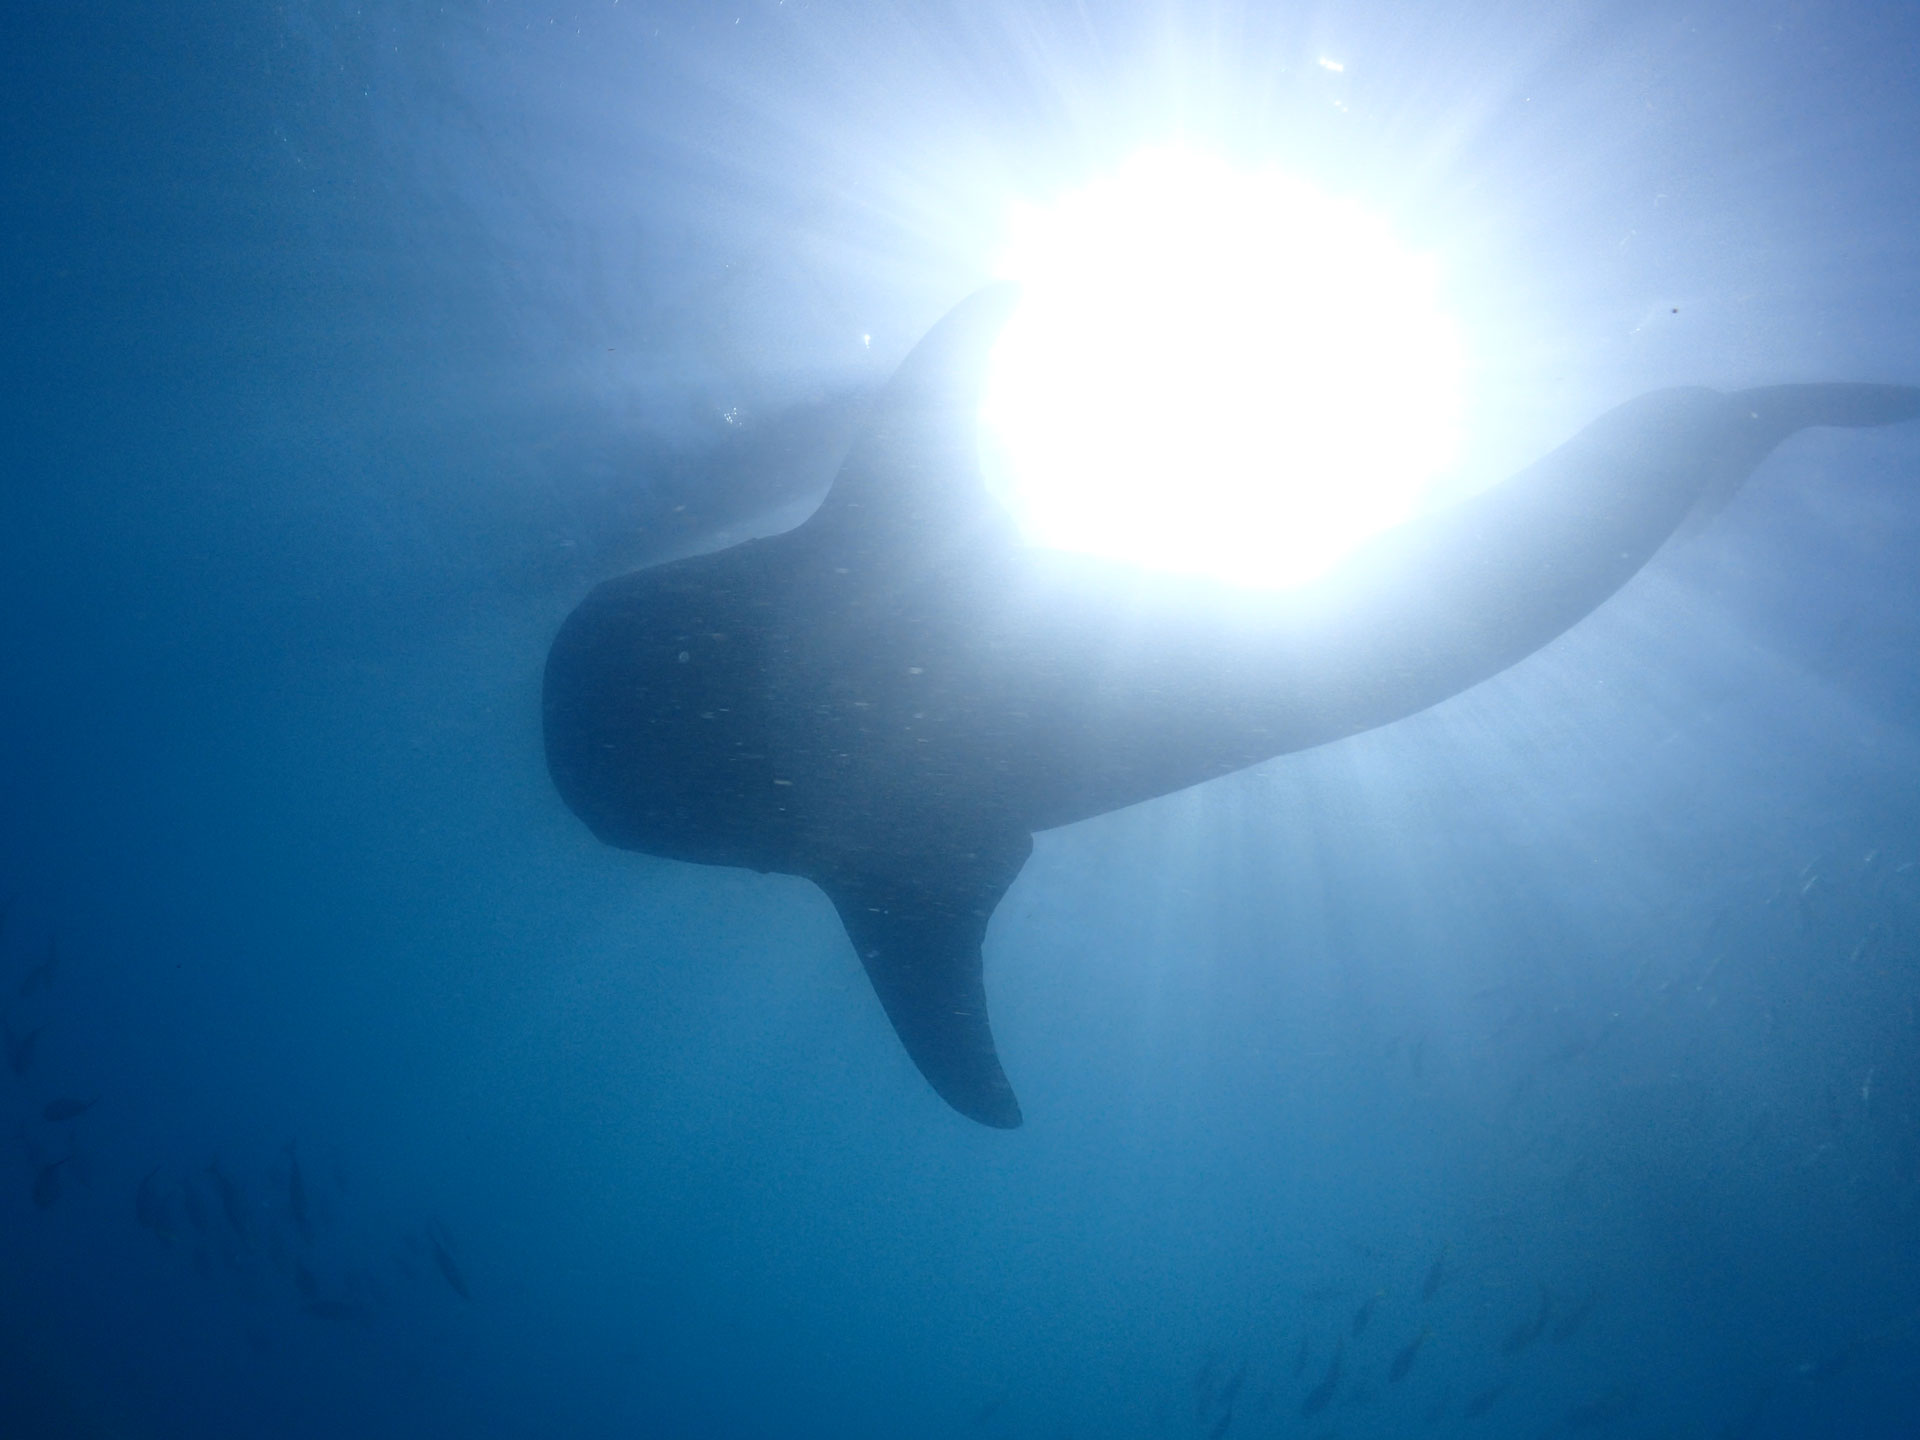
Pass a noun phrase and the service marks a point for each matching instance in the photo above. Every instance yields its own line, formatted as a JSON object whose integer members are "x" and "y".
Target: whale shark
{"x": 891, "y": 698}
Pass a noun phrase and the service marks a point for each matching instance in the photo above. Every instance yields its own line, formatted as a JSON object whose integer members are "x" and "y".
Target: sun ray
{"x": 1217, "y": 371}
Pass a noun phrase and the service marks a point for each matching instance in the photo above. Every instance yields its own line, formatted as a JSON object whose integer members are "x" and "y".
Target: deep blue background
{"x": 345, "y": 347}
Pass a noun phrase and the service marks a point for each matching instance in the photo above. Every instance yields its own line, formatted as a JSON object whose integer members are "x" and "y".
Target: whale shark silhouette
{"x": 892, "y": 697}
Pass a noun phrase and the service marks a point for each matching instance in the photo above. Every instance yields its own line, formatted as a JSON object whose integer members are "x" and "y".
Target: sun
{"x": 1217, "y": 371}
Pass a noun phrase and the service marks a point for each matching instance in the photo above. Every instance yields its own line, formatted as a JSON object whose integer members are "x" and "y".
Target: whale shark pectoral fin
{"x": 919, "y": 939}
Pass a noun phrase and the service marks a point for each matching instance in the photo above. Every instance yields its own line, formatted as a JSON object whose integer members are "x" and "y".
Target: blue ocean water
{"x": 1558, "y": 1048}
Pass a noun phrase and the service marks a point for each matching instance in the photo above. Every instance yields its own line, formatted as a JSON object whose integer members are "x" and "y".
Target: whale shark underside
{"x": 891, "y": 698}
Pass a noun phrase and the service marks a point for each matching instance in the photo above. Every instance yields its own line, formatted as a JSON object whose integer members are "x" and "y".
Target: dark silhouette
{"x": 890, "y": 699}
{"x": 40, "y": 977}
{"x": 1322, "y": 1394}
{"x": 19, "y": 1047}
{"x": 1403, "y": 1362}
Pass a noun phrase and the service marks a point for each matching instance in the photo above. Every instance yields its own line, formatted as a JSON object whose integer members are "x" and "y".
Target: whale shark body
{"x": 893, "y": 697}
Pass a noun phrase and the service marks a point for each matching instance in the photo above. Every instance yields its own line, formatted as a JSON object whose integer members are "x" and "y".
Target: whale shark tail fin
{"x": 919, "y": 939}
{"x": 1770, "y": 413}
{"x": 1783, "y": 409}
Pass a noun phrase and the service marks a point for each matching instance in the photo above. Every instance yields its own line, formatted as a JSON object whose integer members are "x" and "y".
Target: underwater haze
{"x": 1544, "y": 1064}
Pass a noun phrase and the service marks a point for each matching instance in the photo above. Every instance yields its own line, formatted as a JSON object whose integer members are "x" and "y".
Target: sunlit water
{"x": 1217, "y": 372}
{"x": 1571, "y": 1024}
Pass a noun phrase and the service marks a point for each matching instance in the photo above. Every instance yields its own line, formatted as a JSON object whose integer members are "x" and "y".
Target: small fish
{"x": 40, "y": 977}
{"x": 1485, "y": 1400}
{"x": 443, "y": 1261}
{"x": 19, "y": 1047}
{"x": 1528, "y": 1331}
{"x": 67, "y": 1108}
{"x": 1364, "y": 1315}
{"x": 46, "y": 1184}
{"x": 1403, "y": 1362}
{"x": 1322, "y": 1394}
{"x": 1436, "y": 1276}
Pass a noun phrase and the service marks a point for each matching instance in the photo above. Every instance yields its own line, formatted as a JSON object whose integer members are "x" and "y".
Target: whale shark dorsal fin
{"x": 917, "y": 929}
{"x": 913, "y": 474}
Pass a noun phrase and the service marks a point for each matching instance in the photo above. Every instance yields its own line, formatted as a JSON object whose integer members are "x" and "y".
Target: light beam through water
{"x": 1217, "y": 371}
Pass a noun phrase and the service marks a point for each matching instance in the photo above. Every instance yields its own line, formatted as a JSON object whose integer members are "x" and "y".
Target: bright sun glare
{"x": 1217, "y": 371}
